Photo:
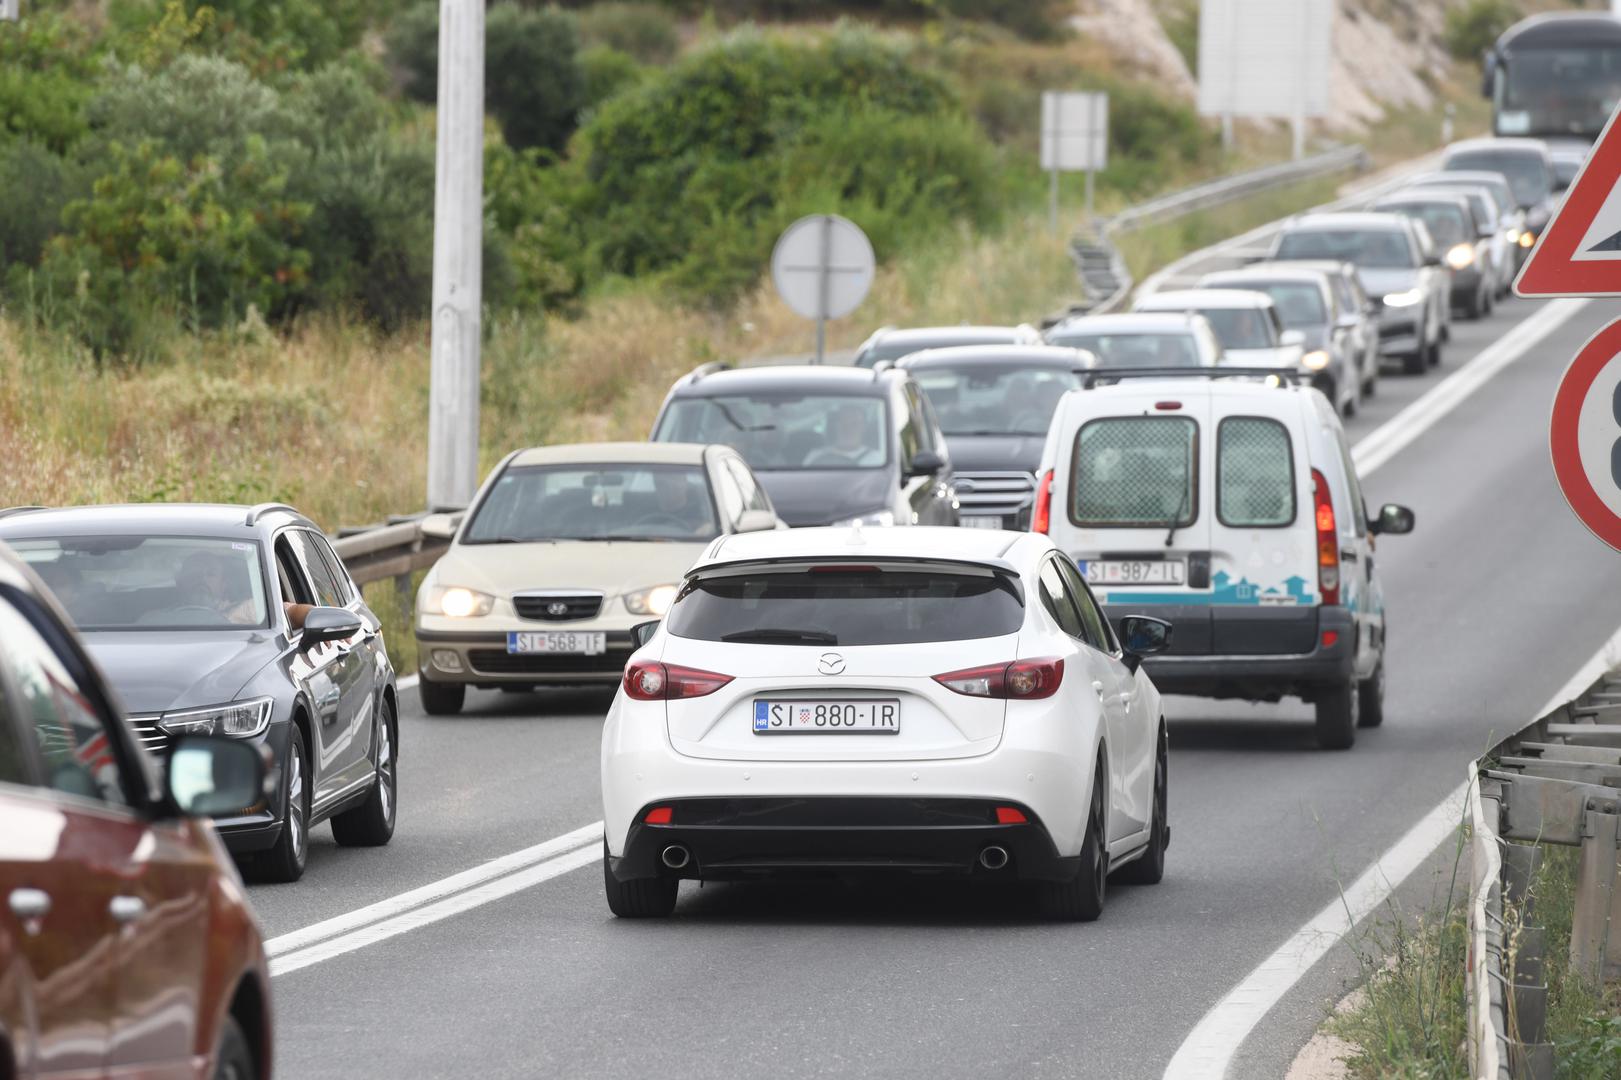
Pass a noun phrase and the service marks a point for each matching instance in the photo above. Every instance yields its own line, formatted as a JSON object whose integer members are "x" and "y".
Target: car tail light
{"x": 649, "y": 680}
{"x": 1024, "y": 680}
{"x": 1010, "y": 815}
{"x": 659, "y": 815}
{"x": 1041, "y": 518}
{"x": 1328, "y": 540}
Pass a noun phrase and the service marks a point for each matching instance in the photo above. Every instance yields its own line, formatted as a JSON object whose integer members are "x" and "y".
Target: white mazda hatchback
{"x": 927, "y": 700}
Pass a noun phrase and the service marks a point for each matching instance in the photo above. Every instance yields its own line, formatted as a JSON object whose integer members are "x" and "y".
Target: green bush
{"x": 533, "y": 84}
{"x": 607, "y": 72}
{"x": 35, "y": 185}
{"x": 1474, "y": 27}
{"x": 265, "y": 36}
{"x": 642, "y": 30}
{"x": 47, "y": 64}
{"x": 198, "y": 106}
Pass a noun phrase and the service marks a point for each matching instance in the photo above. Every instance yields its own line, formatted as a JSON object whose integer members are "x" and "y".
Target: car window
{"x": 1527, "y": 172}
{"x": 295, "y": 586}
{"x": 607, "y": 501}
{"x": 836, "y": 605}
{"x": 786, "y": 430}
{"x": 118, "y": 582}
{"x": 14, "y": 757}
{"x": 1299, "y": 304}
{"x": 71, "y": 741}
{"x": 974, "y": 398}
{"x": 1345, "y": 294}
{"x": 1098, "y": 632}
{"x": 753, "y": 497}
{"x": 335, "y": 567}
{"x": 1055, "y": 598}
{"x": 1445, "y": 221}
{"x": 1255, "y": 473}
{"x": 1359, "y": 510}
{"x": 1135, "y": 471}
{"x": 321, "y": 580}
{"x": 1128, "y": 350}
{"x": 911, "y": 432}
{"x": 1368, "y": 248}
{"x": 727, "y": 495}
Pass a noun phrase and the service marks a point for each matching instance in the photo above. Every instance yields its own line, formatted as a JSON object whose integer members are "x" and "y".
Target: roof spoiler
{"x": 1108, "y": 376}
{"x": 257, "y": 512}
{"x": 10, "y": 510}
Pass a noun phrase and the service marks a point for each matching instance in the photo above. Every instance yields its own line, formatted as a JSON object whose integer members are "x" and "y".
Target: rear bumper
{"x": 481, "y": 659}
{"x": 1258, "y": 654}
{"x": 740, "y": 838}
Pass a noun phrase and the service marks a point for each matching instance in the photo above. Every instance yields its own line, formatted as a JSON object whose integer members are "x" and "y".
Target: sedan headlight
{"x": 1527, "y": 238}
{"x": 1512, "y": 234}
{"x": 882, "y": 518}
{"x": 1405, "y": 298}
{"x": 239, "y": 719}
{"x": 1316, "y": 360}
{"x": 456, "y": 602}
{"x": 652, "y": 601}
{"x": 1461, "y": 256}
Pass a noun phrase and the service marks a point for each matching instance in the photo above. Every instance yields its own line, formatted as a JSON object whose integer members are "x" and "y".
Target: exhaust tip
{"x": 993, "y": 857}
{"x": 675, "y": 856}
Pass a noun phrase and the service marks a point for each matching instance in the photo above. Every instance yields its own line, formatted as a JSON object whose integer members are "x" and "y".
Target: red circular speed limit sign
{"x": 1585, "y": 435}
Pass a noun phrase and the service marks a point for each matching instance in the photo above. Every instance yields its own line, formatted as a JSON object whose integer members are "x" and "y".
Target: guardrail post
{"x": 1595, "y": 937}
{"x": 403, "y": 594}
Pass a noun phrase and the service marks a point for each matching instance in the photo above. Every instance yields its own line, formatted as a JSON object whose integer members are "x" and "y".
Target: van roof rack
{"x": 257, "y": 512}
{"x": 1101, "y": 375}
{"x": 10, "y": 510}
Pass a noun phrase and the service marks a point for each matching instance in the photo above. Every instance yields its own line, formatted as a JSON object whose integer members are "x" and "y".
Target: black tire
{"x": 285, "y": 860}
{"x": 1488, "y": 301}
{"x": 1370, "y": 383}
{"x": 371, "y": 824}
{"x": 1337, "y": 710}
{"x": 1080, "y": 899}
{"x": 441, "y": 699}
{"x": 1415, "y": 363}
{"x": 1150, "y": 868}
{"x": 1371, "y": 692}
{"x": 639, "y": 898}
{"x": 233, "y": 1060}
{"x": 1432, "y": 356}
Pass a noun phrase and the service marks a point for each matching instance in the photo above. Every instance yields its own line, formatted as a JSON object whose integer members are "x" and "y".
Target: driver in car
{"x": 202, "y": 582}
{"x": 849, "y": 446}
{"x": 677, "y": 503}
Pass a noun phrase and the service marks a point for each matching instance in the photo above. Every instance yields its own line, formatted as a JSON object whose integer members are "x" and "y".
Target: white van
{"x": 1228, "y": 506}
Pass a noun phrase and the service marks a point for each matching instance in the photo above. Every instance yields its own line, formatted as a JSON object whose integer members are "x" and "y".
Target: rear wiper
{"x": 768, "y": 634}
{"x": 1181, "y": 508}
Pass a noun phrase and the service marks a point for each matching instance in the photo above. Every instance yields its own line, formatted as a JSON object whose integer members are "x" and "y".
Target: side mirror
{"x": 925, "y": 463}
{"x": 1291, "y": 338}
{"x": 1143, "y": 635}
{"x": 1393, "y": 520}
{"x": 642, "y": 633}
{"x": 329, "y": 624}
{"x": 1488, "y": 71}
{"x": 441, "y": 526}
{"x": 756, "y": 521}
{"x": 208, "y": 776}
{"x": 1350, "y": 320}
{"x": 1432, "y": 260}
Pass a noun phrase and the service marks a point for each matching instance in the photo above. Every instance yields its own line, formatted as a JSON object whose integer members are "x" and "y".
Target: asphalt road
{"x": 1494, "y": 601}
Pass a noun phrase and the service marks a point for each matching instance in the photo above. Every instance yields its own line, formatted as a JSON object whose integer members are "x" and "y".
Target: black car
{"x": 994, "y": 403}
{"x": 892, "y": 343}
{"x": 193, "y": 613}
{"x": 830, "y": 445}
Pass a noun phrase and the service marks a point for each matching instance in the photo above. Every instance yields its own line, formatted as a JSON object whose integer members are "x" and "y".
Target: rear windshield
{"x": 1445, "y": 221}
{"x": 1299, "y": 303}
{"x": 1135, "y": 471}
{"x": 786, "y": 431}
{"x": 616, "y": 501}
{"x": 1525, "y": 170}
{"x": 1255, "y": 473}
{"x": 896, "y": 350}
{"x": 1135, "y": 350}
{"x": 1378, "y": 249}
{"x": 994, "y": 399}
{"x": 152, "y": 582}
{"x": 823, "y": 607}
{"x": 1241, "y": 328}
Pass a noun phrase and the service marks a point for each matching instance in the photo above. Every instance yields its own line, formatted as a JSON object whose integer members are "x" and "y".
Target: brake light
{"x": 1024, "y": 680}
{"x": 1041, "y": 518}
{"x": 1167, "y": 406}
{"x": 660, "y": 815}
{"x": 1328, "y": 540}
{"x": 649, "y": 680}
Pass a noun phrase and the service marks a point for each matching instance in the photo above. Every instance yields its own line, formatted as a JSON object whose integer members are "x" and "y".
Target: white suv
{"x": 1229, "y": 507}
{"x": 848, "y": 700}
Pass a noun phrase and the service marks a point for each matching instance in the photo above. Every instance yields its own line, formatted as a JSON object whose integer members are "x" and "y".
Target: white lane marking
{"x": 435, "y": 890}
{"x": 1389, "y": 438}
{"x": 431, "y": 913}
{"x": 407, "y": 683}
{"x": 1208, "y": 1050}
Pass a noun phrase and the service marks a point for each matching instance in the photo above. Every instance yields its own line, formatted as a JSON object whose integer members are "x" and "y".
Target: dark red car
{"x": 127, "y": 947}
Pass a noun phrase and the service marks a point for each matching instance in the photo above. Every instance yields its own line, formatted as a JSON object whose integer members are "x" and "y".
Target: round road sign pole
{"x": 823, "y": 268}
{"x": 821, "y": 287}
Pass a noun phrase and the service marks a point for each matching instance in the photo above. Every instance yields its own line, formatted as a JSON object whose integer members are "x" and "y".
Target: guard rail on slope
{"x": 393, "y": 549}
{"x": 1558, "y": 781}
{"x": 1103, "y": 273}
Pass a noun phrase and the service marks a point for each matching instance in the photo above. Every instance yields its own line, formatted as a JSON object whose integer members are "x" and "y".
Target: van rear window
{"x": 1255, "y": 473}
{"x": 1136, "y": 471}
{"x": 857, "y": 606}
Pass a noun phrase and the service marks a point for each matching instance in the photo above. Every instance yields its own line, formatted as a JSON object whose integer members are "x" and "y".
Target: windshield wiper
{"x": 771, "y": 634}
{"x": 1181, "y": 508}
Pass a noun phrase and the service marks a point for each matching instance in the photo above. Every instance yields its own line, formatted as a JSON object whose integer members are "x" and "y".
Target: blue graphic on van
{"x": 1224, "y": 590}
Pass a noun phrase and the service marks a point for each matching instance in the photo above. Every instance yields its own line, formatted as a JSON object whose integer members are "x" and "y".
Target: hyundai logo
{"x": 557, "y": 609}
{"x": 964, "y": 484}
{"x": 830, "y": 663}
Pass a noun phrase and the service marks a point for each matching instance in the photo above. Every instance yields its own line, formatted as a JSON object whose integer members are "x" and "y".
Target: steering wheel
{"x": 664, "y": 519}
{"x": 1028, "y": 421}
{"x": 203, "y": 609}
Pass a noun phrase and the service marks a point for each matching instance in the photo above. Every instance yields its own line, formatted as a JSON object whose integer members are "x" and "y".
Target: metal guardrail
{"x": 1557, "y": 781}
{"x": 393, "y": 549}
{"x": 1103, "y": 272}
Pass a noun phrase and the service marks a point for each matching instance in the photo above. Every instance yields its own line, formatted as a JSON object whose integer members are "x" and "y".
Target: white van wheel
{"x": 1337, "y": 711}
{"x": 1371, "y": 691}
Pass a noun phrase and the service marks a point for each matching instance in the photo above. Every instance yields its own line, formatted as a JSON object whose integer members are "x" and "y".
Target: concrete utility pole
{"x": 458, "y": 250}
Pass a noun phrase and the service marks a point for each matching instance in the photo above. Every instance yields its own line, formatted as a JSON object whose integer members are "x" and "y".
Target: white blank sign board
{"x": 1074, "y": 131}
{"x": 1264, "y": 57}
{"x": 823, "y": 266}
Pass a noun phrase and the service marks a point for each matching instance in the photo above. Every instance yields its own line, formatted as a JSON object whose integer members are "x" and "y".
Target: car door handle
{"x": 1098, "y": 687}
{"x": 30, "y": 903}
{"x": 126, "y": 909}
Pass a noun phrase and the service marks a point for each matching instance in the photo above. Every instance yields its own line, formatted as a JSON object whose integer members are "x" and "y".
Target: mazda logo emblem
{"x": 557, "y": 607}
{"x": 830, "y": 663}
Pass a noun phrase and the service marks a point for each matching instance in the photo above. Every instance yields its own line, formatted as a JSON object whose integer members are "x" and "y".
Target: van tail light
{"x": 1022, "y": 680}
{"x": 1041, "y": 519}
{"x": 649, "y": 680}
{"x": 1328, "y": 540}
